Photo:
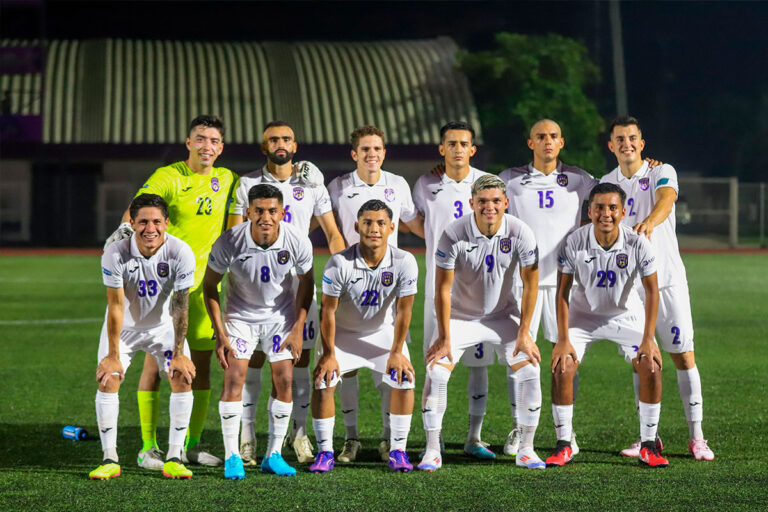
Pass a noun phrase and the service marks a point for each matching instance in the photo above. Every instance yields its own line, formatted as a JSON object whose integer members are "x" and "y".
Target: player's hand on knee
{"x": 309, "y": 173}
{"x": 184, "y": 366}
{"x": 440, "y": 348}
{"x": 561, "y": 354}
{"x": 109, "y": 366}
{"x": 223, "y": 349}
{"x": 438, "y": 170}
{"x": 325, "y": 370}
{"x": 293, "y": 345}
{"x": 123, "y": 231}
{"x": 526, "y": 345}
{"x": 400, "y": 368}
{"x": 650, "y": 350}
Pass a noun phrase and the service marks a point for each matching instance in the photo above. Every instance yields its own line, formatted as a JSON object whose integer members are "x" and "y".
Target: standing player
{"x": 548, "y": 196}
{"x": 263, "y": 257}
{"x": 605, "y": 258}
{"x": 362, "y": 287}
{"x": 141, "y": 273}
{"x": 651, "y": 195}
{"x": 441, "y": 199}
{"x": 348, "y": 193}
{"x": 476, "y": 258}
{"x": 304, "y": 206}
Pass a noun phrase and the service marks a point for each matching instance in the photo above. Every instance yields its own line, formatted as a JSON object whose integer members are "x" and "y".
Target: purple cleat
{"x": 398, "y": 460}
{"x": 323, "y": 463}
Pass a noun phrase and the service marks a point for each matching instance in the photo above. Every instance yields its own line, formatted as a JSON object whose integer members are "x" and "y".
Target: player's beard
{"x": 280, "y": 160}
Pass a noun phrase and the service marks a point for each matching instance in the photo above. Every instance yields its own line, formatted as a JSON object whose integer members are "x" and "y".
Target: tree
{"x": 529, "y": 77}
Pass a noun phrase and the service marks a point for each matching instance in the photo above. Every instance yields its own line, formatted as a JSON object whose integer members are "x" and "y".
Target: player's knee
{"x": 112, "y": 385}
{"x": 684, "y": 361}
{"x": 528, "y": 372}
{"x": 647, "y": 368}
{"x": 179, "y": 384}
{"x": 439, "y": 374}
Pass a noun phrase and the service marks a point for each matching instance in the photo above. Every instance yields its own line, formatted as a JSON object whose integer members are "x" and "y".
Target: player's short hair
{"x": 374, "y": 205}
{"x": 456, "y": 125}
{"x": 488, "y": 181}
{"x": 209, "y": 122}
{"x": 623, "y": 121}
{"x": 364, "y": 131}
{"x": 276, "y": 124}
{"x": 144, "y": 200}
{"x": 608, "y": 188}
{"x": 264, "y": 191}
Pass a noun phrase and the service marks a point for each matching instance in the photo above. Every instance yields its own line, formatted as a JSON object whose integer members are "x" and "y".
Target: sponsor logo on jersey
{"x": 505, "y": 245}
{"x": 472, "y": 248}
{"x": 134, "y": 269}
{"x": 283, "y": 257}
{"x": 662, "y": 181}
{"x": 350, "y": 196}
{"x": 644, "y": 182}
{"x": 648, "y": 262}
{"x": 327, "y": 279}
{"x": 389, "y": 194}
{"x": 106, "y": 272}
{"x": 186, "y": 189}
{"x": 622, "y": 260}
{"x": 562, "y": 180}
{"x": 298, "y": 193}
{"x": 437, "y": 191}
{"x": 353, "y": 281}
{"x": 387, "y": 278}
{"x": 186, "y": 275}
{"x": 589, "y": 260}
{"x": 440, "y": 253}
{"x": 162, "y": 269}
{"x": 215, "y": 184}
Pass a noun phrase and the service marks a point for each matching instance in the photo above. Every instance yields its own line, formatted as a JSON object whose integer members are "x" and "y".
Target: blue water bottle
{"x": 74, "y": 433}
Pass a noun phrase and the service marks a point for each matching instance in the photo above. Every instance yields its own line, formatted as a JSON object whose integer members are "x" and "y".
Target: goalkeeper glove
{"x": 124, "y": 231}
{"x": 309, "y": 173}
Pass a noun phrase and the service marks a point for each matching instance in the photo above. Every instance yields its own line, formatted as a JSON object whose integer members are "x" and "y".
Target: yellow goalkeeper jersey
{"x": 197, "y": 205}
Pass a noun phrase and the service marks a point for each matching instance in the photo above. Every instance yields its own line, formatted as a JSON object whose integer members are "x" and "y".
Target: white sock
{"x": 301, "y": 384}
{"x": 400, "y": 425}
{"x": 563, "y": 416}
{"x": 528, "y": 395}
{"x": 385, "y": 391}
{"x": 649, "y": 420}
{"x": 348, "y": 398}
{"x": 512, "y": 393}
{"x": 324, "y": 433}
{"x": 230, "y": 413}
{"x": 689, "y": 385}
{"x": 477, "y": 391}
{"x": 279, "y": 421}
{"x": 107, "y": 410}
{"x": 180, "y": 409}
{"x": 251, "y": 391}
{"x": 636, "y": 386}
{"x": 435, "y": 404}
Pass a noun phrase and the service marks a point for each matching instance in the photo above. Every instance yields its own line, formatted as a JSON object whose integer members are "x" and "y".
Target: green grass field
{"x": 47, "y": 381}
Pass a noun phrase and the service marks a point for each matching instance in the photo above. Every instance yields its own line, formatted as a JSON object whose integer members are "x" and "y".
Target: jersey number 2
{"x": 204, "y": 206}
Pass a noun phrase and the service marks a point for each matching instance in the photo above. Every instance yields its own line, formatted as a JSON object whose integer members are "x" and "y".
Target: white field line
{"x": 52, "y": 321}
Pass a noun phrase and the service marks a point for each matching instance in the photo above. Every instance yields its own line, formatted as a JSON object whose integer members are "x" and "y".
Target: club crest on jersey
{"x": 387, "y": 278}
{"x": 215, "y": 184}
{"x": 241, "y": 345}
{"x": 622, "y": 260}
{"x": 283, "y": 257}
{"x": 389, "y": 194}
{"x": 644, "y": 182}
{"x": 562, "y": 180}
{"x": 298, "y": 193}
{"x": 505, "y": 245}
{"x": 162, "y": 269}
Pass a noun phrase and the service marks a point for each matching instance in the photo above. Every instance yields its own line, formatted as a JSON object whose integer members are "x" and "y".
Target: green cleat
{"x": 107, "y": 470}
{"x": 175, "y": 469}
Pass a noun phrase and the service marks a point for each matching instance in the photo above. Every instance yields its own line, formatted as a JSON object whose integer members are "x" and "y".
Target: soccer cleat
{"x": 634, "y": 450}
{"x": 384, "y": 450}
{"x": 650, "y": 456}
{"x": 248, "y": 453}
{"x": 700, "y": 450}
{"x": 233, "y": 468}
{"x": 323, "y": 463}
{"x": 513, "y": 442}
{"x": 478, "y": 450}
{"x": 351, "y": 448}
{"x": 562, "y": 455}
{"x": 303, "y": 448}
{"x": 197, "y": 456}
{"x": 574, "y": 446}
{"x": 151, "y": 459}
{"x": 432, "y": 461}
{"x": 398, "y": 460}
{"x": 175, "y": 469}
{"x": 109, "y": 469}
{"x": 276, "y": 465}
{"x": 527, "y": 458}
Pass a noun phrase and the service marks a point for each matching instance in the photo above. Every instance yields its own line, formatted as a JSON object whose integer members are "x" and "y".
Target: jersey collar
{"x": 594, "y": 246}
{"x": 360, "y": 262}
{"x": 476, "y": 233}
{"x": 639, "y": 174}
{"x": 471, "y": 176}
{"x": 357, "y": 182}
{"x": 535, "y": 172}
{"x": 135, "y": 253}
{"x": 268, "y": 177}
{"x": 252, "y": 246}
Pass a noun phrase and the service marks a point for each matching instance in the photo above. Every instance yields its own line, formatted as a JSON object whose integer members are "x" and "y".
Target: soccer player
{"x": 197, "y": 194}
{"x": 547, "y": 195}
{"x": 605, "y": 259}
{"x": 264, "y": 257}
{"x": 348, "y": 192}
{"x": 441, "y": 198}
{"x": 368, "y": 292}
{"x": 651, "y": 195}
{"x": 306, "y": 206}
{"x": 476, "y": 259}
{"x": 143, "y": 274}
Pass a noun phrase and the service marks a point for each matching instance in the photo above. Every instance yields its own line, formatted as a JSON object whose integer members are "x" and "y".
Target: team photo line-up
{"x": 502, "y": 256}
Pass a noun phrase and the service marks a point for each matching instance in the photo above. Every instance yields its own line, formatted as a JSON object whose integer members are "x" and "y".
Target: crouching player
{"x": 261, "y": 310}
{"x": 143, "y": 273}
{"x": 368, "y": 292}
{"x": 476, "y": 260}
{"x": 605, "y": 258}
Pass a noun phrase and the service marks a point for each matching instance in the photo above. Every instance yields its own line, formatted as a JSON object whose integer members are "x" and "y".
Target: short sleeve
{"x": 239, "y": 200}
{"x": 220, "y": 258}
{"x": 407, "y": 208}
{"x": 112, "y": 267}
{"x": 185, "y": 272}
{"x": 418, "y": 195}
{"x": 322, "y": 201}
{"x": 588, "y": 182}
{"x": 303, "y": 256}
{"x": 334, "y": 190}
{"x": 527, "y": 251}
{"x": 409, "y": 277}
{"x": 447, "y": 251}
{"x": 564, "y": 259}
{"x": 646, "y": 257}
{"x": 160, "y": 183}
{"x": 665, "y": 176}
{"x": 332, "y": 279}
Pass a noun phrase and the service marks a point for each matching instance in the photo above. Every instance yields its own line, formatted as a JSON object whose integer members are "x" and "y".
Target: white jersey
{"x": 641, "y": 198}
{"x": 440, "y": 201}
{"x": 366, "y": 295}
{"x": 606, "y": 278}
{"x": 484, "y": 267}
{"x": 260, "y": 285}
{"x": 301, "y": 202}
{"x": 348, "y": 193}
{"x": 550, "y": 205}
{"x": 148, "y": 282}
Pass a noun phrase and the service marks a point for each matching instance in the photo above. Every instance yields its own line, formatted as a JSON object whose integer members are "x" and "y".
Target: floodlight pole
{"x": 619, "y": 71}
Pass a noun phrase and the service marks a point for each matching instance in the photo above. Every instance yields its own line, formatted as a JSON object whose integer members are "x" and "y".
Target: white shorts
{"x": 626, "y": 330}
{"x": 370, "y": 350}
{"x": 545, "y": 309}
{"x": 157, "y": 342}
{"x": 674, "y": 325}
{"x": 499, "y": 334}
{"x": 245, "y": 338}
{"x": 481, "y": 356}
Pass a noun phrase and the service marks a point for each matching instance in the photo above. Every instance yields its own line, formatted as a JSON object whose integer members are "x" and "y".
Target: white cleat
{"x": 248, "y": 453}
{"x": 351, "y": 448}
{"x": 431, "y": 462}
{"x": 384, "y": 450}
{"x": 527, "y": 458}
{"x": 700, "y": 450}
{"x": 513, "y": 442}
{"x": 574, "y": 446}
{"x": 634, "y": 450}
{"x": 151, "y": 459}
{"x": 303, "y": 448}
{"x": 196, "y": 456}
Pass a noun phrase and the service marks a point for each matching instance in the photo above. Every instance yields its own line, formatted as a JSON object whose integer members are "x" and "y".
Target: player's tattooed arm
{"x": 665, "y": 200}
{"x": 180, "y": 363}
{"x": 563, "y": 348}
{"x": 525, "y": 343}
